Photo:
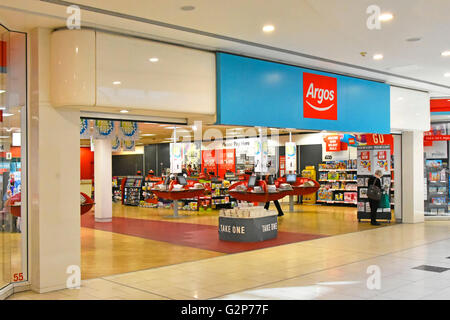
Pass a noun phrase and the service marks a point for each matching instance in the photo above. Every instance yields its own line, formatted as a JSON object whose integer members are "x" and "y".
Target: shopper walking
{"x": 374, "y": 195}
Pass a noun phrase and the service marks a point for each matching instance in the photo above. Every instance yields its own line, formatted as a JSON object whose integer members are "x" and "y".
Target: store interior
{"x": 436, "y": 171}
{"x": 147, "y": 232}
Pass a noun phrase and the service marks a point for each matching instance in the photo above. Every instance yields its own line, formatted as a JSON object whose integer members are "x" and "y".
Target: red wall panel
{"x": 86, "y": 163}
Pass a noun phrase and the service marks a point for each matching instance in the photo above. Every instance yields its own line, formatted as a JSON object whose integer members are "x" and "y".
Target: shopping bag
{"x": 384, "y": 201}
{"x": 374, "y": 192}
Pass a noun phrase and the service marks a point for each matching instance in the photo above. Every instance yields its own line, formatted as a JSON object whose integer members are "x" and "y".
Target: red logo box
{"x": 319, "y": 97}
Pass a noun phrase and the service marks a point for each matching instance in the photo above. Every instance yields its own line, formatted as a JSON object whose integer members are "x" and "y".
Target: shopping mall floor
{"x": 325, "y": 268}
{"x": 143, "y": 238}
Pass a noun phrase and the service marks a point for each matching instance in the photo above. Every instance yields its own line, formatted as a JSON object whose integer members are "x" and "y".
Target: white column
{"x": 103, "y": 180}
{"x": 412, "y": 177}
{"x": 54, "y": 177}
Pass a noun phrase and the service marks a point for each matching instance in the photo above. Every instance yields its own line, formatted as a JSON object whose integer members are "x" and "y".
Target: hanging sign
{"x": 261, "y": 155}
{"x": 129, "y": 130}
{"x": 291, "y": 157}
{"x": 176, "y": 159}
{"x": 84, "y": 129}
{"x": 333, "y": 143}
{"x": 103, "y": 129}
{"x": 128, "y": 145}
{"x": 115, "y": 144}
{"x": 191, "y": 152}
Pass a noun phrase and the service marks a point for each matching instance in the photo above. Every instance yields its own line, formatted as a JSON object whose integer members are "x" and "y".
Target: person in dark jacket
{"x": 374, "y": 204}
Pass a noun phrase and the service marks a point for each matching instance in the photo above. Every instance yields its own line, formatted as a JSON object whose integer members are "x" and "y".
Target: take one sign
{"x": 319, "y": 97}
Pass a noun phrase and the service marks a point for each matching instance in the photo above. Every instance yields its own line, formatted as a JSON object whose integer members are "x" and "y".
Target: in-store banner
{"x": 192, "y": 154}
{"x": 349, "y": 140}
{"x": 176, "y": 158}
{"x": 261, "y": 155}
{"x": 291, "y": 157}
{"x": 128, "y": 130}
{"x": 128, "y": 145}
{"x": 115, "y": 144}
{"x": 104, "y": 129}
{"x": 333, "y": 143}
{"x": 226, "y": 161}
{"x": 84, "y": 129}
{"x": 209, "y": 161}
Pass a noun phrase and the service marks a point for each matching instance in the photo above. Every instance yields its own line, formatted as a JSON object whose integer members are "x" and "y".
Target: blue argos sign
{"x": 252, "y": 92}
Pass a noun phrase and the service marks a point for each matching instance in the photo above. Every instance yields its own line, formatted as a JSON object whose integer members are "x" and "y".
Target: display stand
{"x": 248, "y": 229}
{"x": 370, "y": 159}
{"x": 178, "y": 195}
{"x": 291, "y": 204}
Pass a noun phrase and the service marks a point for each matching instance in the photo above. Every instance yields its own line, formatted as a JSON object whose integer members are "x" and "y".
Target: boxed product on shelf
{"x": 338, "y": 197}
{"x": 323, "y": 176}
{"x": 350, "y": 196}
{"x": 361, "y": 206}
{"x": 363, "y": 193}
{"x": 324, "y": 194}
{"x": 332, "y": 175}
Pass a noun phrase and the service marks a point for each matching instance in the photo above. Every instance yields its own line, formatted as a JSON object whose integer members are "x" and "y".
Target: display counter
{"x": 246, "y": 226}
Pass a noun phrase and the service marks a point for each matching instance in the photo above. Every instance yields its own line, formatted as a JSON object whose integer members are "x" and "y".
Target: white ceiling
{"x": 330, "y": 29}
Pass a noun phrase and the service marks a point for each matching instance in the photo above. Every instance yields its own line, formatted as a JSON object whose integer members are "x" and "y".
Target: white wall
{"x": 413, "y": 177}
{"x": 410, "y": 110}
{"x": 54, "y": 177}
{"x": 85, "y": 64}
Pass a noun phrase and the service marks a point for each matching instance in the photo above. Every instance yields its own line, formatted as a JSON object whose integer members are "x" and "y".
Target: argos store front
{"x": 356, "y": 127}
{"x": 333, "y": 129}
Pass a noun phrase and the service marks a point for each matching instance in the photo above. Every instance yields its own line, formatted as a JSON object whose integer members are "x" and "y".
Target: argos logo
{"x": 319, "y": 97}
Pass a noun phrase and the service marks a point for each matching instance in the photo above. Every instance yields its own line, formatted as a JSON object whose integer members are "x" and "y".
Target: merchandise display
{"x": 370, "y": 159}
{"x": 309, "y": 172}
{"x": 436, "y": 188}
{"x": 247, "y": 223}
{"x": 338, "y": 182}
{"x": 132, "y": 190}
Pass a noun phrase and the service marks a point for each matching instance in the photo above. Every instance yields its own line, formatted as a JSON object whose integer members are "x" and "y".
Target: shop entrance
{"x": 144, "y": 233}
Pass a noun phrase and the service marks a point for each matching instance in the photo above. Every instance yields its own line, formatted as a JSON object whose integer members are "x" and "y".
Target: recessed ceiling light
{"x": 148, "y": 134}
{"x": 116, "y": 83}
{"x": 154, "y": 59}
{"x": 123, "y": 111}
{"x": 447, "y": 75}
{"x": 446, "y": 53}
{"x": 2, "y": 91}
{"x": 414, "y": 39}
{"x": 377, "y": 56}
{"x": 187, "y": 8}
{"x": 268, "y": 28}
{"x": 386, "y": 16}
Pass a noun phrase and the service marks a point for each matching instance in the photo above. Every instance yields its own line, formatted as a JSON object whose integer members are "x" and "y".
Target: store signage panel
{"x": 319, "y": 96}
{"x": 252, "y": 92}
{"x": 291, "y": 157}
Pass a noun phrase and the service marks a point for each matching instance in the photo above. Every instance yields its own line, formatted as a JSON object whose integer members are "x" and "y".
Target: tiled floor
{"x": 108, "y": 253}
{"x": 327, "y": 268}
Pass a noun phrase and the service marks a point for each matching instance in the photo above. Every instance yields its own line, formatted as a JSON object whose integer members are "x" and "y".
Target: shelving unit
{"x": 132, "y": 191}
{"x": 339, "y": 187}
{"x": 437, "y": 188}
